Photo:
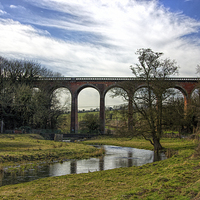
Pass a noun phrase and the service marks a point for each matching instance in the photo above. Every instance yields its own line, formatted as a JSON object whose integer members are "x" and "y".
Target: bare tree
{"x": 149, "y": 100}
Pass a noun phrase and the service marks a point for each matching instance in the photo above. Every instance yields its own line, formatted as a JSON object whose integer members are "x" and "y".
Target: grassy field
{"x": 167, "y": 143}
{"x": 175, "y": 178}
{"x": 18, "y": 148}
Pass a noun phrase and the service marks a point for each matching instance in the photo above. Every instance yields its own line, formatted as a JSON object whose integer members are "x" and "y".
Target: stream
{"x": 115, "y": 157}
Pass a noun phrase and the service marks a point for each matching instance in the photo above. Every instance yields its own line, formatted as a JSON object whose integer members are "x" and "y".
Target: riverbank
{"x": 140, "y": 143}
{"x": 175, "y": 178}
{"x": 24, "y": 148}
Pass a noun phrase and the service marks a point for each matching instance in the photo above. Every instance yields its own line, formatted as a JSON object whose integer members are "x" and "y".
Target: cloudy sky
{"x": 100, "y": 37}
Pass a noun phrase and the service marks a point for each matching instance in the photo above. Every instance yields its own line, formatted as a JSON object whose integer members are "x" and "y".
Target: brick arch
{"x": 103, "y": 84}
{"x": 82, "y": 87}
{"x": 181, "y": 89}
{"x": 114, "y": 86}
{"x": 53, "y": 89}
{"x": 197, "y": 87}
{"x": 140, "y": 87}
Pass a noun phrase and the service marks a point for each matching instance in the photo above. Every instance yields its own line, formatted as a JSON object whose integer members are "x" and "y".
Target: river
{"x": 114, "y": 157}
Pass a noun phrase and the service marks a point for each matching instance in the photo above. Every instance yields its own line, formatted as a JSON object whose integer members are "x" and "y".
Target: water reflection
{"x": 73, "y": 167}
{"x": 130, "y": 160}
{"x": 101, "y": 163}
{"x": 115, "y": 157}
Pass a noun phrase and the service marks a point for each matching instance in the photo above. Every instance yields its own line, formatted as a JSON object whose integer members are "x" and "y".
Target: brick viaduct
{"x": 103, "y": 85}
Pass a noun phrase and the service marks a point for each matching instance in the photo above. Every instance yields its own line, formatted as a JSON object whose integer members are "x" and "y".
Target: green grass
{"x": 175, "y": 178}
{"x": 32, "y": 147}
{"x": 168, "y": 143}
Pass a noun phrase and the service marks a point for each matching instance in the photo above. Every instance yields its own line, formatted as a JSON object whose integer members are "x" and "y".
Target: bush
{"x": 90, "y": 123}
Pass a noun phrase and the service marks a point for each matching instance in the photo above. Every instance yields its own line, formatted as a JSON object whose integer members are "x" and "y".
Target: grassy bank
{"x": 18, "y": 148}
{"x": 175, "y": 178}
{"x": 168, "y": 143}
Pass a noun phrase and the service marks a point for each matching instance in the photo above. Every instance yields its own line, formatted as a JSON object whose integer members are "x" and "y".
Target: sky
{"x": 99, "y": 38}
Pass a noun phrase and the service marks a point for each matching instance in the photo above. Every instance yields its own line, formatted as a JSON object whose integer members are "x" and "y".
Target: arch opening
{"x": 88, "y": 110}
{"x": 159, "y": 111}
{"x": 116, "y": 105}
{"x": 174, "y": 94}
{"x": 195, "y": 96}
{"x": 143, "y": 98}
{"x": 115, "y": 98}
{"x": 61, "y": 101}
{"x": 174, "y": 110}
{"x": 62, "y": 98}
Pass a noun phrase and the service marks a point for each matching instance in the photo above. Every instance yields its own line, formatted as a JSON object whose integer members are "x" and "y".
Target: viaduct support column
{"x": 130, "y": 112}
{"x": 102, "y": 113}
{"x": 74, "y": 114}
{"x": 187, "y": 101}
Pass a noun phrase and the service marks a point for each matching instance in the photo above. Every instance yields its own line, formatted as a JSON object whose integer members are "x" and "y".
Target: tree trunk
{"x": 157, "y": 145}
{"x": 130, "y": 114}
{"x": 156, "y": 157}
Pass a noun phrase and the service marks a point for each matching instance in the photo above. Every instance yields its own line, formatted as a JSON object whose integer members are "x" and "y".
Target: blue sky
{"x": 100, "y": 37}
{"x": 187, "y": 7}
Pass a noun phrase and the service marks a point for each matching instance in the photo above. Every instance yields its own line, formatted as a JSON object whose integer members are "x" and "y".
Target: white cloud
{"x": 17, "y": 7}
{"x": 13, "y": 6}
{"x": 2, "y": 12}
{"x": 121, "y": 28}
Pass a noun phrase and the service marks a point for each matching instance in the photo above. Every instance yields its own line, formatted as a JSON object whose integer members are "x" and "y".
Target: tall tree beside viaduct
{"x": 148, "y": 100}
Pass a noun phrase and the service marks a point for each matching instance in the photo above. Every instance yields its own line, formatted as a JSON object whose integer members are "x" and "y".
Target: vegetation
{"x": 175, "y": 178}
{"x": 90, "y": 123}
{"x": 19, "y": 148}
{"x": 63, "y": 124}
{"x": 140, "y": 143}
{"x": 115, "y": 119}
{"x": 20, "y": 103}
{"x": 152, "y": 113}
{"x": 149, "y": 99}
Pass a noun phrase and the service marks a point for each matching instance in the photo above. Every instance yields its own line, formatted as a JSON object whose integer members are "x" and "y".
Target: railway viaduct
{"x": 103, "y": 85}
